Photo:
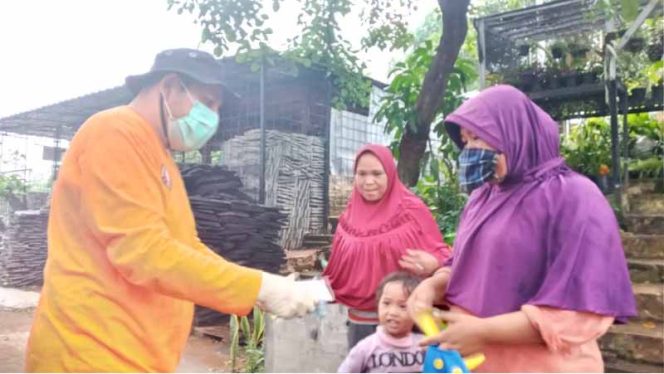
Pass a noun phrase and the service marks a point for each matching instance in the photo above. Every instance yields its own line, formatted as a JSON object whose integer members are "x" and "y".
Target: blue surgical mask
{"x": 476, "y": 167}
{"x": 192, "y": 131}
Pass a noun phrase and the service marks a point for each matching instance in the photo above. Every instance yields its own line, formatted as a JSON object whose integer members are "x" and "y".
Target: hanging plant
{"x": 655, "y": 48}
{"x": 614, "y": 35}
{"x": 655, "y": 32}
{"x": 592, "y": 73}
{"x": 578, "y": 50}
{"x": 528, "y": 78}
{"x": 550, "y": 78}
{"x": 658, "y": 93}
{"x": 570, "y": 78}
{"x": 637, "y": 95}
{"x": 635, "y": 44}
{"x": 558, "y": 50}
{"x": 655, "y": 51}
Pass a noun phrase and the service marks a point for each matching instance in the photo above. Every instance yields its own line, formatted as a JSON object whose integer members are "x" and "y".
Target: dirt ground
{"x": 14, "y": 328}
{"x": 202, "y": 355}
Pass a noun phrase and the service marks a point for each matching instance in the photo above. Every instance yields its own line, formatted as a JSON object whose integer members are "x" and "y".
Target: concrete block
{"x": 309, "y": 344}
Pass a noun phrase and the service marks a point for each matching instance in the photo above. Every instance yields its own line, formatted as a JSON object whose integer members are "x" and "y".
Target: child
{"x": 393, "y": 348}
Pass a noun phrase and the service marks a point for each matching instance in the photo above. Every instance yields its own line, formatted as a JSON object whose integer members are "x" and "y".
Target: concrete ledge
{"x": 309, "y": 344}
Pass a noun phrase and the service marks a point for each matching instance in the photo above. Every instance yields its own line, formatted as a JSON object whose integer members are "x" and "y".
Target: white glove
{"x": 284, "y": 297}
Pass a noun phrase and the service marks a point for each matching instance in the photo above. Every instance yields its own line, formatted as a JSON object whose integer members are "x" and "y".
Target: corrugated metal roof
{"x": 551, "y": 20}
{"x": 64, "y": 118}
{"x": 67, "y": 116}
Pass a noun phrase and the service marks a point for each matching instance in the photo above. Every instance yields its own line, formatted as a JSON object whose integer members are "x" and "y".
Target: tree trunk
{"x": 414, "y": 140}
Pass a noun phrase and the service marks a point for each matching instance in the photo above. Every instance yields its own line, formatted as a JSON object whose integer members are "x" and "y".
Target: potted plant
{"x": 655, "y": 48}
{"x": 658, "y": 93}
{"x": 558, "y": 50}
{"x": 654, "y": 31}
{"x": 570, "y": 78}
{"x": 614, "y": 35}
{"x": 528, "y": 77}
{"x": 637, "y": 95}
{"x": 636, "y": 43}
{"x": 579, "y": 49}
{"x": 592, "y": 73}
{"x": 548, "y": 77}
{"x": 655, "y": 51}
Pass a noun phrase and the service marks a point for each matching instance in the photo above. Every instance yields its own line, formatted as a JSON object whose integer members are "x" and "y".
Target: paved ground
{"x": 202, "y": 355}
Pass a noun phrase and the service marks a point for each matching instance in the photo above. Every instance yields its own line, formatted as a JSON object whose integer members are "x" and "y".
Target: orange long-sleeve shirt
{"x": 125, "y": 264}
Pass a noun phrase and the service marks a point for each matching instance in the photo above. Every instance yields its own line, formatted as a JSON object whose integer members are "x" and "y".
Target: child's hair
{"x": 407, "y": 280}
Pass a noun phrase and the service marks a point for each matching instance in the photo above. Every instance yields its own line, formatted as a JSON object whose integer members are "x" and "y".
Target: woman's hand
{"x": 428, "y": 293}
{"x": 419, "y": 262}
{"x": 464, "y": 333}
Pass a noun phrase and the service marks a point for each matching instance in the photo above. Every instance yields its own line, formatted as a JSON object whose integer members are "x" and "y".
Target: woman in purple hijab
{"x": 538, "y": 271}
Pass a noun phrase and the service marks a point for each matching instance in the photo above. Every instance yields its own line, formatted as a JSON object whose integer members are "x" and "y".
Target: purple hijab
{"x": 546, "y": 235}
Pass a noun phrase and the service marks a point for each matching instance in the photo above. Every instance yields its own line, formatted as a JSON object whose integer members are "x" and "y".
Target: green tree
{"x": 402, "y": 105}
{"x": 434, "y": 87}
{"x": 320, "y": 42}
{"x": 12, "y": 189}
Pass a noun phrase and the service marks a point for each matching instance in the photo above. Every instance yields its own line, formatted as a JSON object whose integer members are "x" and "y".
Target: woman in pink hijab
{"x": 384, "y": 228}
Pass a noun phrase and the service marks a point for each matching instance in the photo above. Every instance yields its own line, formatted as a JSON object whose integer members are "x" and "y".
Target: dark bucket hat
{"x": 197, "y": 65}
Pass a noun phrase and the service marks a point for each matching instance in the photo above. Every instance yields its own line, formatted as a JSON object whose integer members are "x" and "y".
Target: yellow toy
{"x": 439, "y": 360}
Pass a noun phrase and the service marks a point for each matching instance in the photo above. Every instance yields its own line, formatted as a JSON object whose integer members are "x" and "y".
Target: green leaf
{"x": 630, "y": 9}
{"x": 245, "y": 327}
{"x": 434, "y": 167}
{"x": 235, "y": 340}
{"x": 259, "y": 326}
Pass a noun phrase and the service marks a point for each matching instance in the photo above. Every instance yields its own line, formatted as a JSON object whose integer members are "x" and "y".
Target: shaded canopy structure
{"x": 279, "y": 102}
{"x": 512, "y": 46}
{"x": 62, "y": 120}
{"x": 501, "y": 35}
{"x": 274, "y": 94}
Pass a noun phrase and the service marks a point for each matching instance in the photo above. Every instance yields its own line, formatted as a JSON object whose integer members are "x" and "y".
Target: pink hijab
{"x": 371, "y": 237}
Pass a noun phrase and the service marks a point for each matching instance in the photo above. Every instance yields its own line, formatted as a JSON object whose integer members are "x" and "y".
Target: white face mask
{"x": 191, "y": 131}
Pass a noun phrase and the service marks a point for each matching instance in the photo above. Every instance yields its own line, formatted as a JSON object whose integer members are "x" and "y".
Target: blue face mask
{"x": 192, "y": 131}
{"x": 476, "y": 167}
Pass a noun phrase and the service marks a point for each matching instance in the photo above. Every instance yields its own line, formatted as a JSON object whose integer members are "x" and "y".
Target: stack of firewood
{"x": 23, "y": 250}
{"x": 295, "y": 167}
{"x": 232, "y": 224}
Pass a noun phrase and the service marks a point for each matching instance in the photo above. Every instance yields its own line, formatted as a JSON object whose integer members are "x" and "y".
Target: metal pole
{"x": 206, "y": 154}
{"x": 326, "y": 141}
{"x": 615, "y": 146}
{"x": 56, "y": 151}
{"x": 482, "y": 51}
{"x": 625, "y": 138}
{"x": 25, "y": 173}
{"x": 261, "y": 188}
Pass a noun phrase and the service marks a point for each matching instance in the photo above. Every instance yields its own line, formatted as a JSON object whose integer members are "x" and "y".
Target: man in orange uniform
{"x": 125, "y": 265}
